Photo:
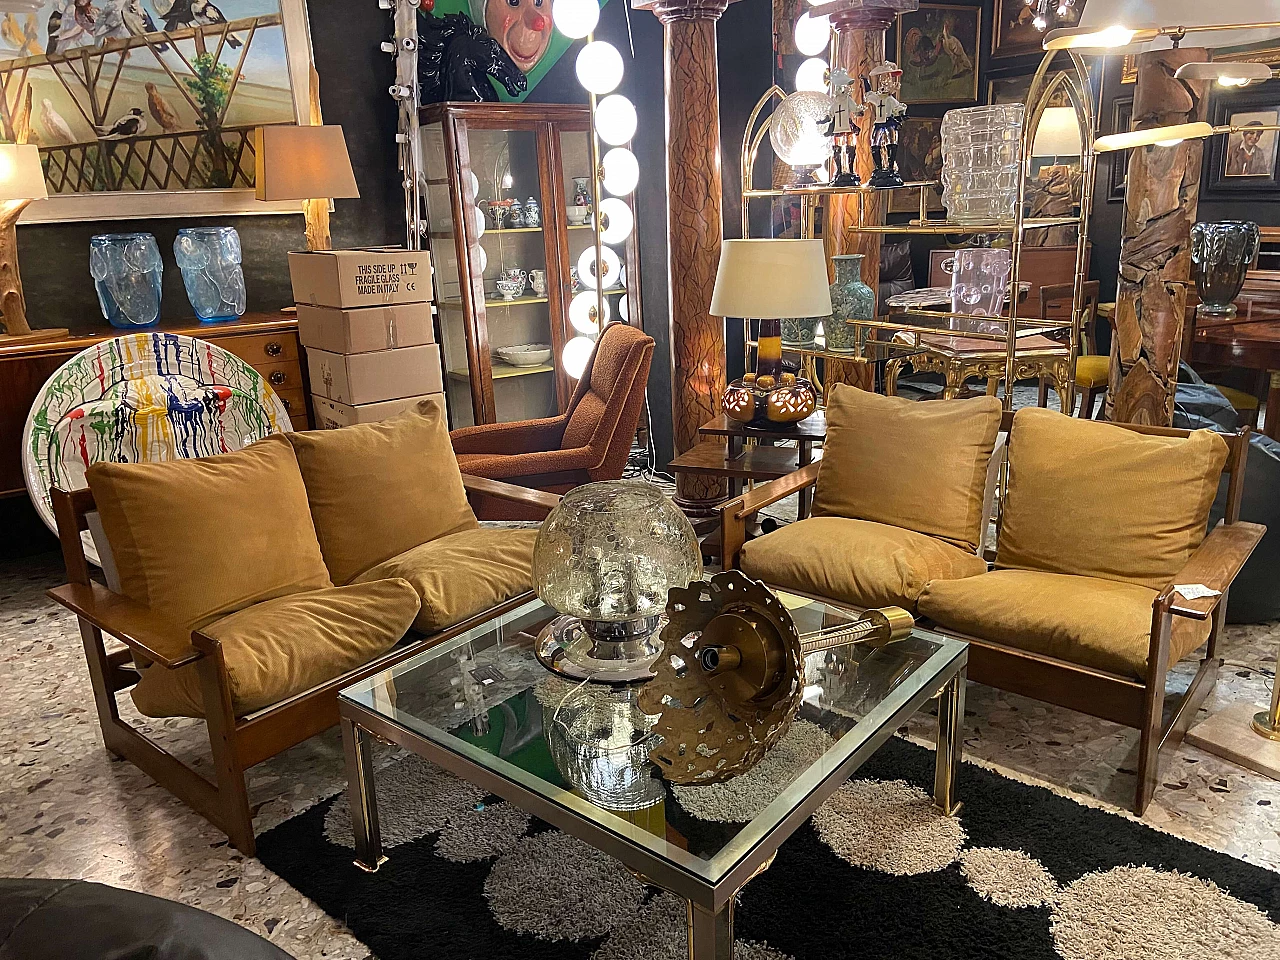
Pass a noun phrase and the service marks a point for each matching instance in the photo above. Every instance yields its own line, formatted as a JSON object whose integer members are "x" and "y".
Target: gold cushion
{"x": 1096, "y": 500}
{"x": 198, "y": 539}
{"x": 1092, "y": 371}
{"x": 861, "y": 563}
{"x": 462, "y": 574}
{"x": 377, "y": 489}
{"x": 921, "y": 466}
{"x": 1238, "y": 398}
{"x": 283, "y": 647}
{"x": 1103, "y": 624}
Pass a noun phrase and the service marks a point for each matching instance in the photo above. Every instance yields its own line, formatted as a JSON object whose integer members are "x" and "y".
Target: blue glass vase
{"x": 209, "y": 258}
{"x": 127, "y": 273}
{"x": 851, "y": 299}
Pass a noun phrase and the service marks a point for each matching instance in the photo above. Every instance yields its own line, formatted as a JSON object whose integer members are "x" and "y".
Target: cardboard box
{"x": 365, "y": 328}
{"x": 374, "y": 377}
{"x": 331, "y": 414}
{"x": 368, "y": 277}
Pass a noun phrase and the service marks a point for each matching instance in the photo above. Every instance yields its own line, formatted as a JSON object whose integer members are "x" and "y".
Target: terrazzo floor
{"x": 68, "y": 810}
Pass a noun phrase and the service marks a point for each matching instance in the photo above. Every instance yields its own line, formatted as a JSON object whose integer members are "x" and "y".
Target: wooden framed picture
{"x": 1015, "y": 90}
{"x": 1245, "y": 162}
{"x": 1014, "y": 33}
{"x": 938, "y": 53}
{"x": 1129, "y": 68}
{"x": 919, "y": 158}
{"x": 1121, "y": 121}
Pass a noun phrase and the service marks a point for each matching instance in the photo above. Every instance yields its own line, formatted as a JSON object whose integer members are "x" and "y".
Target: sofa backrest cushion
{"x": 201, "y": 538}
{"x": 1096, "y": 500}
{"x": 917, "y": 465}
{"x": 377, "y": 489}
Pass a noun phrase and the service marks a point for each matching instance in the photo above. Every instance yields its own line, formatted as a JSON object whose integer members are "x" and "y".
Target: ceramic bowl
{"x": 510, "y": 289}
{"x": 578, "y": 215}
{"x": 525, "y": 354}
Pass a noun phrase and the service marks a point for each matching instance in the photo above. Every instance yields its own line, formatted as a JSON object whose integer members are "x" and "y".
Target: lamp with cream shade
{"x": 771, "y": 280}
{"x": 21, "y": 182}
{"x": 307, "y": 163}
{"x": 1058, "y": 134}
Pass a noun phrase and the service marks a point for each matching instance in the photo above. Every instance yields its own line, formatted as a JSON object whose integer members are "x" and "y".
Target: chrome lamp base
{"x": 599, "y": 650}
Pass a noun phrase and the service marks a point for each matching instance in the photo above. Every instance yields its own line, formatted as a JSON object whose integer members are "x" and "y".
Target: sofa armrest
{"x": 1214, "y": 563}
{"x": 520, "y": 436}
{"x": 536, "y": 464}
{"x": 736, "y": 513}
{"x": 510, "y": 491}
{"x": 138, "y": 627}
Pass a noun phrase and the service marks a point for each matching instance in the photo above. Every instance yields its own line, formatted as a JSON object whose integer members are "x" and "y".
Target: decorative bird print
{"x": 56, "y": 129}
{"x": 161, "y": 110}
{"x": 190, "y": 13}
{"x": 132, "y": 124}
{"x": 31, "y": 31}
{"x": 71, "y": 25}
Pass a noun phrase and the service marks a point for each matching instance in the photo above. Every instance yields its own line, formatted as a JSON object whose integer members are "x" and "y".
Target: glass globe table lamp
{"x": 796, "y": 132}
{"x": 605, "y": 558}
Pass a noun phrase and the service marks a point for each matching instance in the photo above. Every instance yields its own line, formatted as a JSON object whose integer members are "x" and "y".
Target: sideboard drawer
{"x": 261, "y": 348}
{"x": 295, "y": 402}
{"x": 283, "y": 377}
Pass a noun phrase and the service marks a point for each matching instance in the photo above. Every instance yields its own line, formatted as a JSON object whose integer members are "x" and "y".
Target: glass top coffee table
{"x": 482, "y": 707}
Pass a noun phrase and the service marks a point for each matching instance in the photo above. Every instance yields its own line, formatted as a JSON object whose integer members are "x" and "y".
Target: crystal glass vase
{"x": 606, "y": 557}
{"x": 1221, "y": 254}
{"x": 851, "y": 299}
{"x": 600, "y": 741}
{"x": 209, "y": 258}
{"x": 979, "y": 285}
{"x": 981, "y": 148}
{"x": 127, "y": 274}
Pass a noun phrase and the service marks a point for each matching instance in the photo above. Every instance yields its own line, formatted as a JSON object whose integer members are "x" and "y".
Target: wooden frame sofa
{"x": 1127, "y": 699}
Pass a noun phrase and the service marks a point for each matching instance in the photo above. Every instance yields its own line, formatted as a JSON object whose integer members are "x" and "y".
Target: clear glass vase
{"x": 981, "y": 149}
{"x": 127, "y": 273}
{"x": 209, "y": 258}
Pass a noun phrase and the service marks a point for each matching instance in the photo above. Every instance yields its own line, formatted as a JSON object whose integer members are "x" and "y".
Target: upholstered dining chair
{"x": 590, "y": 441}
{"x": 1092, "y": 370}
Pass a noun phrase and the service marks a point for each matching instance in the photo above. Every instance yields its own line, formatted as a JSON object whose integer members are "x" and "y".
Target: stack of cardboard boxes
{"x": 365, "y": 318}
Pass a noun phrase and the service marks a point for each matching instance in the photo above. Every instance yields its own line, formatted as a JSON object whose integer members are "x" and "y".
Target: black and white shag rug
{"x": 1020, "y": 873}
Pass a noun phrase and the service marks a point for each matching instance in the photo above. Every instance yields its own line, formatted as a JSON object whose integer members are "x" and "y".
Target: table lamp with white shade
{"x": 771, "y": 280}
{"x": 307, "y": 163}
{"x": 21, "y": 182}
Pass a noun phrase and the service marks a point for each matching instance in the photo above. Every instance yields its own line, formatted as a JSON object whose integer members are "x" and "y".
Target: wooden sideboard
{"x": 267, "y": 342}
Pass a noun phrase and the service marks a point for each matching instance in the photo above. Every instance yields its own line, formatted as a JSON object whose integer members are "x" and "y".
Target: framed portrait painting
{"x": 1121, "y": 122}
{"x": 1015, "y": 34}
{"x": 938, "y": 53}
{"x": 919, "y": 158}
{"x": 1245, "y": 162}
{"x": 149, "y": 109}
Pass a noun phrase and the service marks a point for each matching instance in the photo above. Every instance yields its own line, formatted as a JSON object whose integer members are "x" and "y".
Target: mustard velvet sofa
{"x": 249, "y": 588}
{"x": 1097, "y": 524}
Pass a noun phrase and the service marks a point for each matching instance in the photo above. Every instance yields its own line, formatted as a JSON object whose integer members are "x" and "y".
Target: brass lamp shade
{"x": 303, "y": 163}
{"x": 771, "y": 280}
{"x": 21, "y": 176}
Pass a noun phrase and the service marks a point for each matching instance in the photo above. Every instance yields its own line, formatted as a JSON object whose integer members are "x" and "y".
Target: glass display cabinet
{"x": 506, "y": 189}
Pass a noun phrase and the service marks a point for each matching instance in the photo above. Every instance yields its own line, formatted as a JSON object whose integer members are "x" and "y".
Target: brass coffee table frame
{"x": 710, "y": 901}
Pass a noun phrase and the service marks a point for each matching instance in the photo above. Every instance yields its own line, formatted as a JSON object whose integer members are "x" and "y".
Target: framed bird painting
{"x": 938, "y": 53}
{"x": 147, "y": 108}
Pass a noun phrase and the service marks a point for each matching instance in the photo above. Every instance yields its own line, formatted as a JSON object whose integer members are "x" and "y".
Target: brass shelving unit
{"x": 909, "y": 325}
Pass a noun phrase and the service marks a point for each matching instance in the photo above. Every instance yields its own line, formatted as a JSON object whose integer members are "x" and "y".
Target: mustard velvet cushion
{"x": 1095, "y": 500}
{"x": 922, "y": 466}
{"x": 377, "y": 489}
{"x": 860, "y": 563}
{"x": 286, "y": 646}
{"x": 1105, "y": 624}
{"x": 462, "y": 574}
{"x": 198, "y": 539}
{"x": 1092, "y": 371}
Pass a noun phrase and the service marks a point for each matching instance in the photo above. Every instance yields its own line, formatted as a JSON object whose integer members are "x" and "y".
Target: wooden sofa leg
{"x": 1153, "y": 707}
{"x": 100, "y": 672}
{"x": 234, "y": 814}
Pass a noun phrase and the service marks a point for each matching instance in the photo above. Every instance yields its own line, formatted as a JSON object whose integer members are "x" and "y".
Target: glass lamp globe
{"x": 616, "y": 219}
{"x": 575, "y": 18}
{"x": 812, "y": 75}
{"x": 605, "y": 558}
{"x": 812, "y": 34}
{"x": 796, "y": 132}
{"x": 587, "y": 270}
{"x": 582, "y": 314}
{"x": 575, "y": 355}
{"x": 615, "y": 119}
{"x": 599, "y": 67}
{"x": 621, "y": 171}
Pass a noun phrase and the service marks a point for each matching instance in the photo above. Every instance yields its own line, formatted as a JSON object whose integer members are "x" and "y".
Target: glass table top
{"x": 484, "y": 696}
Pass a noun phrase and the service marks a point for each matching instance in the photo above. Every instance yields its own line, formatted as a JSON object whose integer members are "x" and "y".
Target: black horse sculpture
{"x": 456, "y": 58}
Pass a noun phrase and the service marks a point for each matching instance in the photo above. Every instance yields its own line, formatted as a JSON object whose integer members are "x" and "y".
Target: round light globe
{"x": 478, "y": 217}
{"x": 796, "y": 129}
{"x": 582, "y": 313}
{"x": 575, "y": 355}
{"x": 621, "y": 171}
{"x": 813, "y": 34}
{"x": 575, "y": 18}
{"x": 617, "y": 219}
{"x": 811, "y": 76}
{"x": 615, "y": 119}
{"x": 587, "y": 267}
{"x": 599, "y": 67}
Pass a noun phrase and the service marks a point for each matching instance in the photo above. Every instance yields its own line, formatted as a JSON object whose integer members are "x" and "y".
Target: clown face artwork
{"x": 521, "y": 27}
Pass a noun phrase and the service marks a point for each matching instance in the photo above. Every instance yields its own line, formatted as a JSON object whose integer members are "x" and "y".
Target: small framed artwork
{"x": 1245, "y": 162}
{"x": 1121, "y": 121}
{"x": 919, "y": 158}
{"x": 1129, "y": 68}
{"x": 1015, "y": 89}
{"x": 1015, "y": 33}
{"x": 938, "y": 53}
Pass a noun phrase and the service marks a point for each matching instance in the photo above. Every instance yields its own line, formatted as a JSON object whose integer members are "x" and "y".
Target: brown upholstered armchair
{"x": 589, "y": 441}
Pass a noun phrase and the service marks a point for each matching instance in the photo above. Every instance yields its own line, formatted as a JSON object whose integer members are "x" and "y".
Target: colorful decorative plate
{"x": 141, "y": 398}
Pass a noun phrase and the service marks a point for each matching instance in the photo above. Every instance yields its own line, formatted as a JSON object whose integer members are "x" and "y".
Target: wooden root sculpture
{"x": 731, "y": 676}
